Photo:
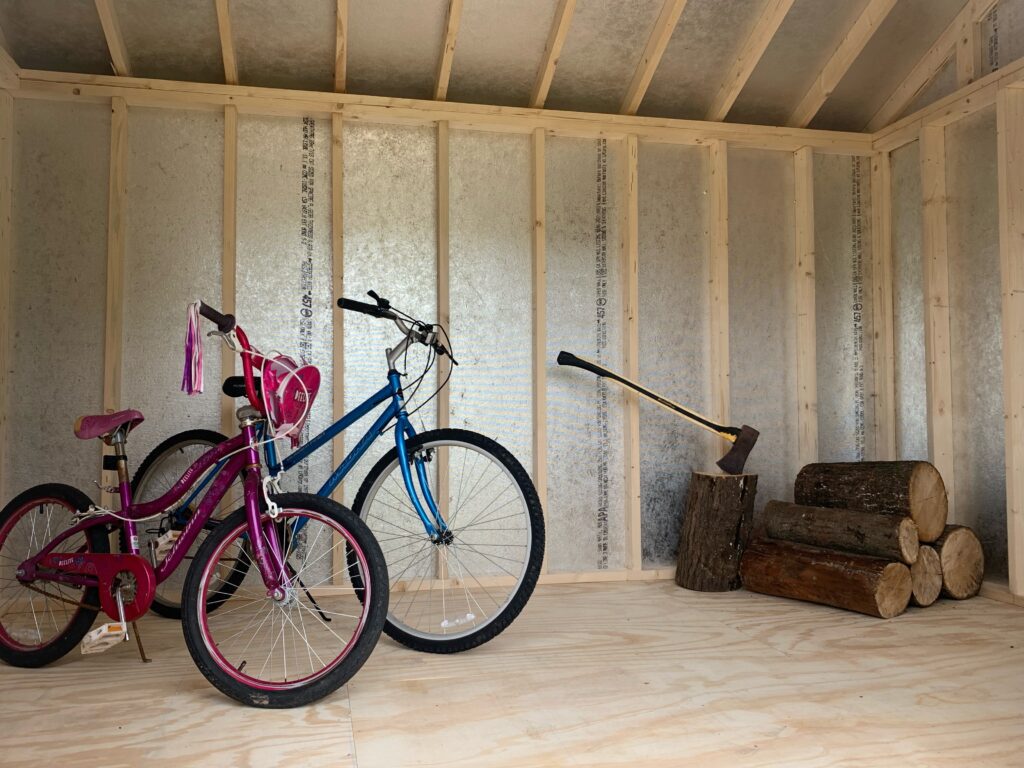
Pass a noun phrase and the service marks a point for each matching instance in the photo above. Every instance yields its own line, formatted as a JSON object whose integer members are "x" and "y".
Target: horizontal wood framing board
{"x": 274, "y": 101}
{"x": 958, "y": 105}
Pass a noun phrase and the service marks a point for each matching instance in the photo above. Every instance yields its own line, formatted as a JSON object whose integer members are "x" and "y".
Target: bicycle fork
{"x": 267, "y": 548}
{"x": 434, "y": 523}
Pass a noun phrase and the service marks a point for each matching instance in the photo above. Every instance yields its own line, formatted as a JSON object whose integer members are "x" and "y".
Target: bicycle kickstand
{"x": 138, "y": 641}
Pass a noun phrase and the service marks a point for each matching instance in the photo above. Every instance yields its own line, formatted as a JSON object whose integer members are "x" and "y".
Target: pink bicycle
{"x": 271, "y": 612}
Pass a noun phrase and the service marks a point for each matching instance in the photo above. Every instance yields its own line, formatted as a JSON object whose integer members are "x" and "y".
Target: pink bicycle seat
{"x": 103, "y": 425}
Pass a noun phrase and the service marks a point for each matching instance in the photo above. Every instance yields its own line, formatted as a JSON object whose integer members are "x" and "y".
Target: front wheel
{"x": 466, "y": 588}
{"x": 298, "y": 646}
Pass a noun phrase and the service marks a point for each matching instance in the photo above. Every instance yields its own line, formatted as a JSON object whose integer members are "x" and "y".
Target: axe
{"x": 742, "y": 438}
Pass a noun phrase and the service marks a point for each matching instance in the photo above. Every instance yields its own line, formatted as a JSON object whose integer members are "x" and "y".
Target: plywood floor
{"x": 638, "y": 674}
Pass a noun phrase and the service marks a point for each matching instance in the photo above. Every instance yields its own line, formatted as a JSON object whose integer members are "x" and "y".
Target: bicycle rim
{"x": 452, "y": 590}
{"x": 30, "y": 620}
{"x": 279, "y": 645}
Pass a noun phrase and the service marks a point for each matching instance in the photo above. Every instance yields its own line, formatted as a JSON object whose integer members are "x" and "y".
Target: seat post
{"x": 118, "y": 440}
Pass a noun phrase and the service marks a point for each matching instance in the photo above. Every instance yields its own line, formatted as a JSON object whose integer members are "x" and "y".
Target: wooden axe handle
{"x": 728, "y": 433}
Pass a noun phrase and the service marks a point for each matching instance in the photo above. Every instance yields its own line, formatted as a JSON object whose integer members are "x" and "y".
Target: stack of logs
{"x": 864, "y": 536}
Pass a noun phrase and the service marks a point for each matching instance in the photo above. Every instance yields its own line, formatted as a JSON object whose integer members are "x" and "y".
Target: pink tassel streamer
{"x": 192, "y": 376}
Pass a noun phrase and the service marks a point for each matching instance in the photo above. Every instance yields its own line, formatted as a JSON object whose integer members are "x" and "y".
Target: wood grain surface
{"x": 624, "y": 674}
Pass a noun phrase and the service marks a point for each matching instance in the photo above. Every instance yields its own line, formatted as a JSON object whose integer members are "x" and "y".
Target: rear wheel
{"x": 160, "y": 470}
{"x": 43, "y": 620}
{"x": 465, "y": 589}
{"x": 289, "y": 649}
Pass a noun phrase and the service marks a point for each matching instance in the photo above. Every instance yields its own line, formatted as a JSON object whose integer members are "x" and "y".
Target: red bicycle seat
{"x": 104, "y": 425}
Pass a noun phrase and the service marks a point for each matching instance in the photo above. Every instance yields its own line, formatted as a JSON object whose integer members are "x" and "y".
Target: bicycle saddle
{"x": 234, "y": 386}
{"x": 105, "y": 424}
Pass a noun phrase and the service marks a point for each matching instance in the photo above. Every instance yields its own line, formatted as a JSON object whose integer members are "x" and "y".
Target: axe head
{"x": 734, "y": 461}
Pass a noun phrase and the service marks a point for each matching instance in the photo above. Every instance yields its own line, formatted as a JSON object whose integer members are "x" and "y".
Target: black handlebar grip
{"x": 224, "y": 323}
{"x": 367, "y": 309}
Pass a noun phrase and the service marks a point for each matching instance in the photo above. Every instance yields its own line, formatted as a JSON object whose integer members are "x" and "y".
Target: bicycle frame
{"x": 246, "y": 460}
{"x": 433, "y": 523}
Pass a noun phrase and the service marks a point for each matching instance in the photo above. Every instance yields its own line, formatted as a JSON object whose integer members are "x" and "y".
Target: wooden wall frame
{"x": 1004, "y": 86}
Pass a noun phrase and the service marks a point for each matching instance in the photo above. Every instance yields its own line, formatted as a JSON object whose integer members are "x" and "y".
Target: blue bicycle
{"x": 456, "y": 515}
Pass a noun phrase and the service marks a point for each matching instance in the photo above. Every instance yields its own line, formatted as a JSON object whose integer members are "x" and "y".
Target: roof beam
{"x": 749, "y": 55}
{"x": 842, "y": 59}
{"x": 115, "y": 43}
{"x": 9, "y": 71}
{"x": 925, "y": 71}
{"x": 444, "y": 66}
{"x": 552, "y": 51}
{"x": 227, "y": 43}
{"x": 341, "y": 47}
{"x": 653, "y": 51}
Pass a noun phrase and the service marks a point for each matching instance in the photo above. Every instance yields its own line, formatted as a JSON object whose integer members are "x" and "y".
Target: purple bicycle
{"x": 283, "y": 602}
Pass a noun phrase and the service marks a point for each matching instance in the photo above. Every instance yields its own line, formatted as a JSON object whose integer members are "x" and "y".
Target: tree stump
{"x": 926, "y": 575}
{"x": 963, "y": 562}
{"x": 878, "y": 534}
{"x": 859, "y": 583}
{"x": 906, "y": 488}
{"x": 719, "y": 512}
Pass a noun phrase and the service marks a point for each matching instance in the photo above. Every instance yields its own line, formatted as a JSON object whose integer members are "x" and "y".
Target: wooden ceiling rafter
{"x": 341, "y": 47}
{"x": 552, "y": 51}
{"x": 932, "y": 63}
{"x": 115, "y": 42}
{"x": 846, "y": 53}
{"x": 661, "y": 33}
{"x": 749, "y": 55}
{"x": 227, "y": 42}
{"x": 444, "y": 66}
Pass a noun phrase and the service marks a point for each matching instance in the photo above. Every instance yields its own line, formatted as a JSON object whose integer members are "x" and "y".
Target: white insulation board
{"x": 586, "y": 490}
{"x": 842, "y": 249}
{"x": 390, "y": 247}
{"x": 172, "y": 258}
{"x": 285, "y": 287}
{"x": 673, "y": 314}
{"x": 908, "y": 305}
{"x": 975, "y": 332}
{"x": 1002, "y": 35}
{"x": 58, "y": 292}
{"x": 762, "y": 327}
{"x": 491, "y": 288}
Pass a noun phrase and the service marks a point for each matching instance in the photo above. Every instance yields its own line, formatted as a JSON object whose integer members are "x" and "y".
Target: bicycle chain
{"x": 62, "y": 598}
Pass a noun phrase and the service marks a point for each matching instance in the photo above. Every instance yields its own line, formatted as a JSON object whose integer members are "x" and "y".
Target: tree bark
{"x": 962, "y": 561}
{"x": 719, "y": 511}
{"x": 926, "y": 575}
{"x": 911, "y": 488}
{"x": 878, "y": 534}
{"x": 859, "y": 583}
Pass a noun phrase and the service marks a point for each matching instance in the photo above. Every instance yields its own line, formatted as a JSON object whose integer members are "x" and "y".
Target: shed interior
{"x": 806, "y": 216}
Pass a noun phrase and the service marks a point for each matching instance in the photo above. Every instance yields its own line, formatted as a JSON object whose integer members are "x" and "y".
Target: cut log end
{"x": 926, "y": 575}
{"x": 928, "y": 501}
{"x": 962, "y": 561}
{"x": 894, "y": 589}
{"x": 909, "y": 540}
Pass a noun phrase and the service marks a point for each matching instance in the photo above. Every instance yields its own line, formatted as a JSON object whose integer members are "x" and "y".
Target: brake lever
{"x": 228, "y": 338}
{"x": 381, "y": 303}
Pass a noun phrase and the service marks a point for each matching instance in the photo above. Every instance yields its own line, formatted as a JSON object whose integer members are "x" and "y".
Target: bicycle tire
{"x": 227, "y": 675}
{"x": 442, "y": 642}
{"x": 82, "y": 619}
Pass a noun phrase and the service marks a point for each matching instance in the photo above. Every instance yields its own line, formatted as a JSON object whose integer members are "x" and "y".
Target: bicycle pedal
{"x": 104, "y": 636}
{"x": 164, "y": 544}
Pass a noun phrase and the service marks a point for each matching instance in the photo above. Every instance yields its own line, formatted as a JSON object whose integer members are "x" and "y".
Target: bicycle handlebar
{"x": 367, "y": 309}
{"x": 418, "y": 332}
{"x": 224, "y": 323}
